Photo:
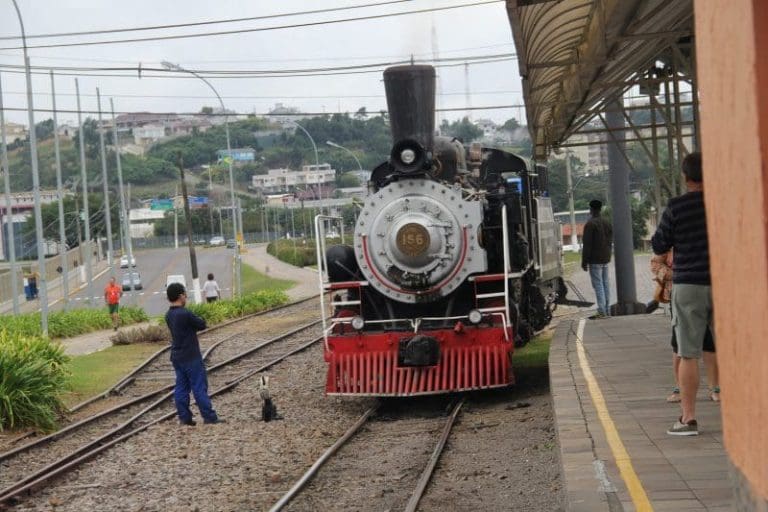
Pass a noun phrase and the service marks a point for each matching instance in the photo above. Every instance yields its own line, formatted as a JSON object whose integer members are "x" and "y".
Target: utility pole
{"x": 210, "y": 197}
{"x": 87, "y": 216}
{"x": 9, "y": 233}
{"x": 60, "y": 193}
{"x": 123, "y": 209}
{"x": 43, "y": 282}
{"x": 107, "y": 208}
{"x": 569, "y": 178}
{"x": 192, "y": 255}
{"x": 79, "y": 237}
{"x": 240, "y": 239}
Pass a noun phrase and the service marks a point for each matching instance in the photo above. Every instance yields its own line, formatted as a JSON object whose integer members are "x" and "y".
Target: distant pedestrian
{"x": 186, "y": 358}
{"x": 683, "y": 227}
{"x": 596, "y": 254}
{"x": 211, "y": 289}
{"x": 112, "y": 294}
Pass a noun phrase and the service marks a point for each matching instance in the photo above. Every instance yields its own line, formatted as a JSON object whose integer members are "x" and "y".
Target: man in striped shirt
{"x": 683, "y": 227}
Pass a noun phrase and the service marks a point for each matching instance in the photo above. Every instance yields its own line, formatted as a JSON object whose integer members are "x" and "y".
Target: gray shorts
{"x": 691, "y": 314}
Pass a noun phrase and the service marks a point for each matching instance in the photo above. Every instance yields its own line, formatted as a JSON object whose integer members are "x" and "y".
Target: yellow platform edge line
{"x": 620, "y": 454}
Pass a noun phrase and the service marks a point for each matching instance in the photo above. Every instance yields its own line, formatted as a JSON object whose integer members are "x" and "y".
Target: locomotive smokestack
{"x": 411, "y": 102}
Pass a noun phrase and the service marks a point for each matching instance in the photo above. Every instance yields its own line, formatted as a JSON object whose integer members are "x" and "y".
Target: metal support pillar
{"x": 618, "y": 181}
{"x": 11, "y": 247}
{"x": 569, "y": 177}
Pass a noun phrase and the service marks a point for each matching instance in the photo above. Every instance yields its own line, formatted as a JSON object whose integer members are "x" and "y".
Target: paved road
{"x": 154, "y": 265}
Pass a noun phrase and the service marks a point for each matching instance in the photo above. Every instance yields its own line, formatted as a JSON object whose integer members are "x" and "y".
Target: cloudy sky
{"x": 475, "y": 30}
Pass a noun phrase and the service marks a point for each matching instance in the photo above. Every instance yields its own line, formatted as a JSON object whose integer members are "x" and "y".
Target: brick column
{"x": 732, "y": 62}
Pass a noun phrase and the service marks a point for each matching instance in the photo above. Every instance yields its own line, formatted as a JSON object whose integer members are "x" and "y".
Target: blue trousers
{"x": 599, "y": 276}
{"x": 190, "y": 376}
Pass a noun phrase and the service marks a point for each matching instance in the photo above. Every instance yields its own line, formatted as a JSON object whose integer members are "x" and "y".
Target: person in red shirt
{"x": 112, "y": 294}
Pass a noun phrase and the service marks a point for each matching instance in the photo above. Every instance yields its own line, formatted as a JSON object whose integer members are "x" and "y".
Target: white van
{"x": 175, "y": 278}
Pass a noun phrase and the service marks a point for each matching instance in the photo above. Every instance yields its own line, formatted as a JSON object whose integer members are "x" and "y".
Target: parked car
{"x": 217, "y": 241}
{"x": 176, "y": 278}
{"x": 136, "y": 281}
{"x": 231, "y": 243}
{"x": 124, "y": 261}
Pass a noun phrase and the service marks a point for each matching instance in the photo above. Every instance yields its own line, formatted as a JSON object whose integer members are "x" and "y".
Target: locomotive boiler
{"x": 455, "y": 259}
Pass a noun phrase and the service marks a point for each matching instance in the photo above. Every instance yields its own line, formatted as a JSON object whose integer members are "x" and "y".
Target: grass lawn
{"x": 571, "y": 262}
{"x": 535, "y": 354}
{"x": 254, "y": 281}
{"x": 94, "y": 373}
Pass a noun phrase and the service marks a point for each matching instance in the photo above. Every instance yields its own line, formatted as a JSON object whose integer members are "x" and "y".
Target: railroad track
{"x": 403, "y": 440}
{"x": 162, "y": 377}
{"x": 159, "y": 364}
{"x": 54, "y": 455}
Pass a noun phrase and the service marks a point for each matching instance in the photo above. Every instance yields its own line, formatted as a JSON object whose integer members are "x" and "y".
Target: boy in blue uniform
{"x": 186, "y": 358}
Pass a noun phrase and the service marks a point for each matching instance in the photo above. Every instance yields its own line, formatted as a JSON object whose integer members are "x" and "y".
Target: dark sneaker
{"x": 684, "y": 429}
{"x": 189, "y": 423}
{"x": 213, "y": 422}
{"x": 598, "y": 316}
{"x": 651, "y": 307}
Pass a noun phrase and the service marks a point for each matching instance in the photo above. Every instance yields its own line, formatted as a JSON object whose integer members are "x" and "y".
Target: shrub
{"x": 149, "y": 334}
{"x": 304, "y": 255}
{"x": 32, "y": 376}
{"x": 216, "y": 312}
{"x": 64, "y": 324}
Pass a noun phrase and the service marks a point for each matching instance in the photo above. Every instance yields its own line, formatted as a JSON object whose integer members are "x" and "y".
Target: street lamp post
{"x": 43, "y": 283}
{"x": 571, "y": 189}
{"x": 339, "y": 146}
{"x": 317, "y": 162}
{"x": 176, "y": 67}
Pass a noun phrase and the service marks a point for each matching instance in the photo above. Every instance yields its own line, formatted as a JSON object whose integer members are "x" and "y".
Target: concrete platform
{"x": 609, "y": 382}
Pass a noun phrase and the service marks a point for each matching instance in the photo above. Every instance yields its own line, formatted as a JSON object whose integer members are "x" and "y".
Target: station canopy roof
{"x": 577, "y": 56}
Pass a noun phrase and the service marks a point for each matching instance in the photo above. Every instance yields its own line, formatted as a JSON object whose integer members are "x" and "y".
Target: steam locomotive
{"x": 455, "y": 259}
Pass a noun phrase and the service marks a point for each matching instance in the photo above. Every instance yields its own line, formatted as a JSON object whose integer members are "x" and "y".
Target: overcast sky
{"x": 476, "y": 30}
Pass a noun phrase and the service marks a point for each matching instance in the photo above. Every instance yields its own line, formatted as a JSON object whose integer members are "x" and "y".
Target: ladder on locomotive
{"x": 488, "y": 301}
{"x": 350, "y": 286}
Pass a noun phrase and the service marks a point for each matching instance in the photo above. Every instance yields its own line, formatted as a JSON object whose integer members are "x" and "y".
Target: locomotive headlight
{"x": 475, "y": 316}
{"x": 358, "y": 323}
{"x": 407, "y": 156}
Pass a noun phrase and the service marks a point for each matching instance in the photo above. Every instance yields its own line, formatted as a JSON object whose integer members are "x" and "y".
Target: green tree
{"x": 510, "y": 125}
{"x": 464, "y": 130}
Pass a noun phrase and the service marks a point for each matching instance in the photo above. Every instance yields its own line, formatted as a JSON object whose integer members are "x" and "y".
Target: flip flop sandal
{"x": 714, "y": 394}
{"x": 674, "y": 396}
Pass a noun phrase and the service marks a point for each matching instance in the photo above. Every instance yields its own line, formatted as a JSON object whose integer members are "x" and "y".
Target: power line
{"x": 202, "y": 23}
{"x": 261, "y": 29}
{"x": 210, "y": 72}
{"x": 303, "y": 97}
{"x": 373, "y": 111}
{"x": 14, "y": 69}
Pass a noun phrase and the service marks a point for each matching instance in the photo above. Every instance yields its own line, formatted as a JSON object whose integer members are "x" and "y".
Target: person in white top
{"x": 211, "y": 289}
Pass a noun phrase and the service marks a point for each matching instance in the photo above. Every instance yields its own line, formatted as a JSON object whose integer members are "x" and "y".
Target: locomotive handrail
{"x": 322, "y": 264}
{"x": 505, "y": 238}
{"x": 416, "y": 322}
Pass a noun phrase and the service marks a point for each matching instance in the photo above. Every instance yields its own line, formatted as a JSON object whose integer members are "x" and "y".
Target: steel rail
{"x": 100, "y": 444}
{"x": 125, "y": 380}
{"x": 312, "y": 471}
{"x": 426, "y": 476}
{"x": 74, "y": 426}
